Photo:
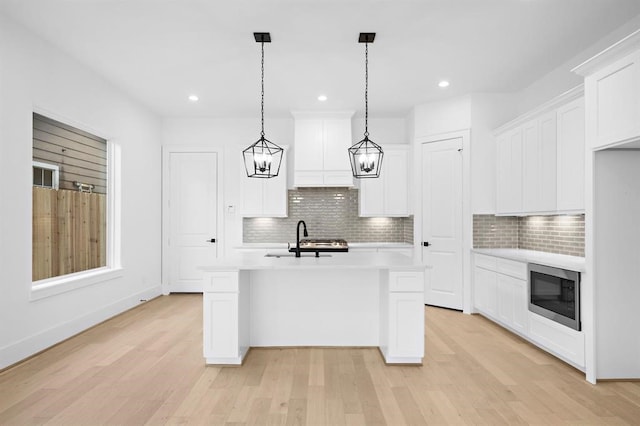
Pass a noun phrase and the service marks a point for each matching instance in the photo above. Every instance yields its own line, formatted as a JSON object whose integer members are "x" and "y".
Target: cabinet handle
{"x": 426, "y": 243}
{"x": 213, "y": 240}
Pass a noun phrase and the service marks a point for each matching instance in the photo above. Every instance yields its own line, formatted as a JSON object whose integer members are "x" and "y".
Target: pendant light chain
{"x": 366, "y": 89}
{"x": 262, "y": 159}
{"x": 262, "y": 92}
{"x": 366, "y": 156}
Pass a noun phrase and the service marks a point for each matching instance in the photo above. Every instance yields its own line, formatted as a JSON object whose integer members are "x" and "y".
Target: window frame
{"x": 46, "y": 166}
{"x": 113, "y": 269}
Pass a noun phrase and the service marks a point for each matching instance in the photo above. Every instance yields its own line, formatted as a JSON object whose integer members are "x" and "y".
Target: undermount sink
{"x": 276, "y": 255}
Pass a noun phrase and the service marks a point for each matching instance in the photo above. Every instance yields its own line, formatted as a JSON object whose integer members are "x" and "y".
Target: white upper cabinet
{"x": 262, "y": 197}
{"x": 539, "y": 164}
{"x": 509, "y": 172}
{"x": 615, "y": 90}
{"x": 571, "y": 151}
{"x": 540, "y": 159}
{"x": 387, "y": 195}
{"x": 321, "y": 143}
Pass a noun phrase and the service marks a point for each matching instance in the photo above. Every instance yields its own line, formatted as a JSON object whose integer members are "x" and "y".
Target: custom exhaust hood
{"x": 321, "y": 142}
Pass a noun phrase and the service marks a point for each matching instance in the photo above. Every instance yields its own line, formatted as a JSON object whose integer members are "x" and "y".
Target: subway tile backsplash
{"x": 553, "y": 234}
{"x": 328, "y": 213}
{"x": 495, "y": 231}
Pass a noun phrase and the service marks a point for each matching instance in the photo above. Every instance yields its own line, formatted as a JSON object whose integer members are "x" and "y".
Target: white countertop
{"x": 255, "y": 261}
{"x": 572, "y": 263}
{"x": 277, "y": 246}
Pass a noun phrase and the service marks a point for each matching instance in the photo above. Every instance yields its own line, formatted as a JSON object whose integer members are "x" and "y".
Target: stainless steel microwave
{"x": 555, "y": 294}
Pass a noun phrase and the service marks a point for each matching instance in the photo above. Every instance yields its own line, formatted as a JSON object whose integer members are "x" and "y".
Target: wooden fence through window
{"x": 69, "y": 232}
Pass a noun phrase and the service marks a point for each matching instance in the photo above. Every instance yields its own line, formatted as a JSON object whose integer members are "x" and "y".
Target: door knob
{"x": 426, "y": 243}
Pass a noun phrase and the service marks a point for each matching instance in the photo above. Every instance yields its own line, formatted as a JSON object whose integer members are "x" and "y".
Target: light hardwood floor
{"x": 146, "y": 366}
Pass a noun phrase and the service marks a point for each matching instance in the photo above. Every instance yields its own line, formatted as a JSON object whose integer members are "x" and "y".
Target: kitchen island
{"x": 342, "y": 299}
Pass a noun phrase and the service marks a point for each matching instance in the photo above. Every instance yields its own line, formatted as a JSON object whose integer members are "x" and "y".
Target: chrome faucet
{"x": 298, "y": 236}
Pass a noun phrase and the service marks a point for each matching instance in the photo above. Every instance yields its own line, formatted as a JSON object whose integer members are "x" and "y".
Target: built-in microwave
{"x": 555, "y": 294}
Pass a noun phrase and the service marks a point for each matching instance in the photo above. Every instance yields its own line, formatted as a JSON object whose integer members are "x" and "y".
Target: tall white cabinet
{"x": 540, "y": 159}
{"x": 612, "y": 170}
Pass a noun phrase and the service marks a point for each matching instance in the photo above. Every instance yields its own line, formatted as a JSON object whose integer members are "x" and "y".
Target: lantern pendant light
{"x": 366, "y": 156}
{"x": 262, "y": 159}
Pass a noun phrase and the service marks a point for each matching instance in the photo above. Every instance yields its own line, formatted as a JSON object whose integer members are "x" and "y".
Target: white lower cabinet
{"x": 512, "y": 302}
{"x": 500, "y": 287}
{"x": 394, "y": 297}
{"x": 485, "y": 291}
{"x": 501, "y": 294}
{"x": 562, "y": 341}
{"x": 226, "y": 335}
{"x": 403, "y": 317}
{"x": 406, "y": 311}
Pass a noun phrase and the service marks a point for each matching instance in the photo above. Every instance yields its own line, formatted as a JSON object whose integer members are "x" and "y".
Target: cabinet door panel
{"x": 520, "y": 306}
{"x": 372, "y": 197}
{"x": 251, "y": 196}
{"x": 221, "y": 314}
{"x": 548, "y": 163}
{"x": 617, "y": 89}
{"x": 571, "y": 156}
{"x": 274, "y": 199}
{"x": 265, "y": 197}
{"x": 387, "y": 195}
{"x": 531, "y": 164}
{"x": 337, "y": 139}
{"x": 309, "y": 144}
{"x": 406, "y": 321}
{"x": 485, "y": 291}
{"x": 505, "y": 299}
{"x": 503, "y": 152}
{"x": 509, "y": 172}
{"x": 395, "y": 178}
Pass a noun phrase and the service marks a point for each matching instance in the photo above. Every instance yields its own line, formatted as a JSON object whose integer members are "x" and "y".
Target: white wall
{"x": 383, "y": 131}
{"x": 33, "y": 74}
{"x": 562, "y": 79}
{"x": 616, "y": 263}
{"x": 445, "y": 116}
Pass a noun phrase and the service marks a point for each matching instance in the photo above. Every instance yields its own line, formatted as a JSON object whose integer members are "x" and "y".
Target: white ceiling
{"x": 160, "y": 51}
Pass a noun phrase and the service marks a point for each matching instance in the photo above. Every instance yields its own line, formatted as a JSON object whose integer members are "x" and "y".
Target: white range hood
{"x": 321, "y": 143}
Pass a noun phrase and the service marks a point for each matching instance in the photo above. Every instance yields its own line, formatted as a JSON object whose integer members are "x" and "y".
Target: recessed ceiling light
{"x": 193, "y": 98}
{"x": 322, "y": 98}
{"x": 443, "y": 84}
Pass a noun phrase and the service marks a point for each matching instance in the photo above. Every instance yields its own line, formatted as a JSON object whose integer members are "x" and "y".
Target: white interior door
{"x": 442, "y": 222}
{"x": 192, "y": 218}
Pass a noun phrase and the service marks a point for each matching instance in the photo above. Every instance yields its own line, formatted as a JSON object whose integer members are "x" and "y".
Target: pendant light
{"x": 262, "y": 159}
{"x": 366, "y": 156}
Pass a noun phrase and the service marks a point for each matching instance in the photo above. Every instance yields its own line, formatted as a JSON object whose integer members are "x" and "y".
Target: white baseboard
{"x": 31, "y": 345}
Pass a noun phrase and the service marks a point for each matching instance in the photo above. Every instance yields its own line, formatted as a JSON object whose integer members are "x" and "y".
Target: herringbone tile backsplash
{"x": 328, "y": 213}
{"x": 552, "y": 234}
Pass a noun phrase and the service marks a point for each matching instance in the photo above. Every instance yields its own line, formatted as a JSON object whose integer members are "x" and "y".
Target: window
{"x": 45, "y": 175}
{"x": 69, "y": 200}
